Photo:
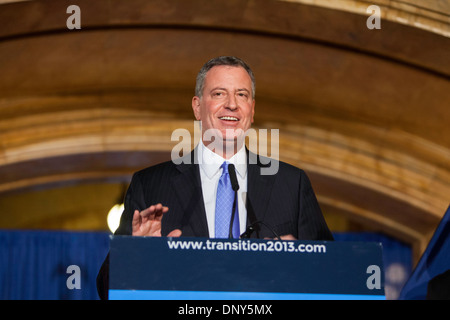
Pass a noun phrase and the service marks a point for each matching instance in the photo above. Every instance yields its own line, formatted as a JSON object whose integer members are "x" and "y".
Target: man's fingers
{"x": 146, "y": 212}
{"x": 148, "y": 221}
{"x": 283, "y": 237}
{"x": 136, "y": 219}
{"x": 160, "y": 209}
{"x": 288, "y": 237}
{"x": 175, "y": 233}
{"x": 154, "y": 211}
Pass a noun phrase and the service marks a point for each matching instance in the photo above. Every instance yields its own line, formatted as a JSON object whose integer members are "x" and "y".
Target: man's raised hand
{"x": 148, "y": 222}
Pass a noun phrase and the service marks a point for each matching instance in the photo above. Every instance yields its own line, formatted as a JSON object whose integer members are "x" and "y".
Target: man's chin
{"x": 233, "y": 139}
{"x": 227, "y": 147}
{"x": 232, "y": 134}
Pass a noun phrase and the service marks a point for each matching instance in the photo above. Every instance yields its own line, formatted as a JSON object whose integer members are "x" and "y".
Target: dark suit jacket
{"x": 439, "y": 287}
{"x": 285, "y": 202}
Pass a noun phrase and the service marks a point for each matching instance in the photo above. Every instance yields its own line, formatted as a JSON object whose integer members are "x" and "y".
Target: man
{"x": 438, "y": 287}
{"x": 184, "y": 199}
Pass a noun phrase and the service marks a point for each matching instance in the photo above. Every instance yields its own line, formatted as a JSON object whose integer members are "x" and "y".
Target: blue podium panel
{"x": 243, "y": 269}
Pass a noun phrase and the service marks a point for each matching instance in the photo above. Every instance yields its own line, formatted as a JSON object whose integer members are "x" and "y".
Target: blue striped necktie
{"x": 224, "y": 206}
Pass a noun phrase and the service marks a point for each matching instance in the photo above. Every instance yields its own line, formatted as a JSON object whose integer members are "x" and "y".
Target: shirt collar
{"x": 211, "y": 161}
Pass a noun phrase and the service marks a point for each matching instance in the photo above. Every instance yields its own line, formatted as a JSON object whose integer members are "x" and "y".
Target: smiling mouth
{"x": 229, "y": 118}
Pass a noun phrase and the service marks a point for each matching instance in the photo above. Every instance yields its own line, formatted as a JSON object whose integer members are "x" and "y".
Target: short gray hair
{"x": 221, "y": 61}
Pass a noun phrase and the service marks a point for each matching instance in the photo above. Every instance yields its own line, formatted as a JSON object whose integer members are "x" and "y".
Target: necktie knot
{"x": 224, "y": 167}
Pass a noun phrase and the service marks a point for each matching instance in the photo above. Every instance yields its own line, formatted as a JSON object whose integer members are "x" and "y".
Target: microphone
{"x": 233, "y": 178}
{"x": 248, "y": 232}
{"x": 251, "y": 228}
{"x": 235, "y": 187}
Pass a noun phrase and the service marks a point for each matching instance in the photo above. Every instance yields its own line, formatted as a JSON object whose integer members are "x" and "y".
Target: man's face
{"x": 227, "y": 104}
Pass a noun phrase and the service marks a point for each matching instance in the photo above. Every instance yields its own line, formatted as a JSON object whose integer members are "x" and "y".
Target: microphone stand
{"x": 235, "y": 187}
{"x": 230, "y": 231}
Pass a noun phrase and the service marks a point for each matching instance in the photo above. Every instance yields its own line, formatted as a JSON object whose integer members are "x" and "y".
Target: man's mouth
{"x": 228, "y": 118}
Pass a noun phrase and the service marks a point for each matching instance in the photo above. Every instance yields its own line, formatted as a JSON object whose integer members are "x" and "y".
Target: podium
{"x": 243, "y": 269}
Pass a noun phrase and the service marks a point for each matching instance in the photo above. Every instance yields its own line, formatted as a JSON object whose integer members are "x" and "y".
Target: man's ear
{"x": 196, "y": 107}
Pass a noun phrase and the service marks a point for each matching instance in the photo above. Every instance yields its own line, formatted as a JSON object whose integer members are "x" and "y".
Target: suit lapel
{"x": 259, "y": 189}
{"x": 187, "y": 187}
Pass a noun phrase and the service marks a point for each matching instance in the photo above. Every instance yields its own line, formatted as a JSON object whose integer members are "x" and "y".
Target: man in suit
{"x": 438, "y": 287}
{"x": 178, "y": 198}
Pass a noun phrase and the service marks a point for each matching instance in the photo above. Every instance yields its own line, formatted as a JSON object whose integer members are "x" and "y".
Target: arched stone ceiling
{"x": 364, "y": 112}
{"x": 428, "y": 15}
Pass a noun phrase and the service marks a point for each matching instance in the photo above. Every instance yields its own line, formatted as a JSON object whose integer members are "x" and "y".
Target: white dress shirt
{"x": 210, "y": 173}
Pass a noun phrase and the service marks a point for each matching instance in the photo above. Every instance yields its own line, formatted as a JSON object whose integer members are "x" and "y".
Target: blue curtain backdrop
{"x": 33, "y": 264}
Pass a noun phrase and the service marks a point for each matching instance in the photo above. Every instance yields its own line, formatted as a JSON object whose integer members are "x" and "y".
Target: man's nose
{"x": 232, "y": 102}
